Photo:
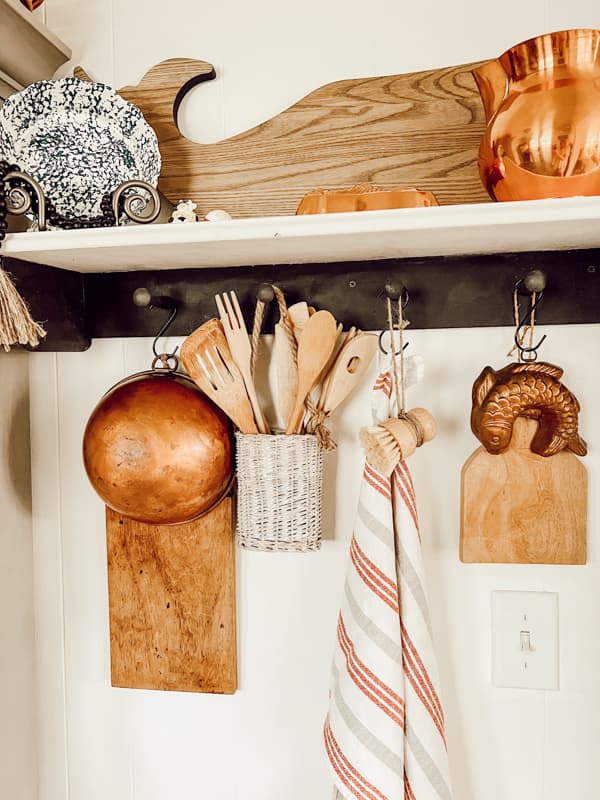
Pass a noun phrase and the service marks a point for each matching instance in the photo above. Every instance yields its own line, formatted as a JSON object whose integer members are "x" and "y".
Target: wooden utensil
{"x": 287, "y": 374}
{"x": 348, "y": 370}
{"x": 236, "y": 334}
{"x": 314, "y": 348}
{"x": 299, "y": 314}
{"x": 341, "y": 341}
{"x": 519, "y": 507}
{"x": 172, "y": 603}
{"x": 206, "y": 356}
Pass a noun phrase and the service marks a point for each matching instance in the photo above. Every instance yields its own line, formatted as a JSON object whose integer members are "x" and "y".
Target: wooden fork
{"x": 236, "y": 333}
{"x": 209, "y": 363}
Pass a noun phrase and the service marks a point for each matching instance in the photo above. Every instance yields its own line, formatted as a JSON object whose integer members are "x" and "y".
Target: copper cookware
{"x": 158, "y": 450}
{"x": 364, "y": 197}
{"x": 542, "y": 105}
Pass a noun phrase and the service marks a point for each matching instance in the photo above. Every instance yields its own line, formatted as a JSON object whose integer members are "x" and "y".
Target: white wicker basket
{"x": 279, "y": 492}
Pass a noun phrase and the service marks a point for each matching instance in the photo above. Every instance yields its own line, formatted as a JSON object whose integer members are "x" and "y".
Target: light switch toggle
{"x": 526, "y": 645}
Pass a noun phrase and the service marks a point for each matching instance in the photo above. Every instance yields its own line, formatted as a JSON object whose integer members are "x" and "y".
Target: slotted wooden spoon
{"x": 207, "y": 358}
{"x": 348, "y": 370}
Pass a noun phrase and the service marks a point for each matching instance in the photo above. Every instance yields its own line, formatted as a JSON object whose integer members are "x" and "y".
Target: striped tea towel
{"x": 384, "y": 733}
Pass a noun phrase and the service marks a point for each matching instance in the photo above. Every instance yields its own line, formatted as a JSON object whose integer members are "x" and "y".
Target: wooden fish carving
{"x": 530, "y": 390}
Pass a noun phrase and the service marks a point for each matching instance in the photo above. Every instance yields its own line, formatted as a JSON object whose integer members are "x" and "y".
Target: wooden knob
{"x": 406, "y": 435}
{"x": 425, "y": 420}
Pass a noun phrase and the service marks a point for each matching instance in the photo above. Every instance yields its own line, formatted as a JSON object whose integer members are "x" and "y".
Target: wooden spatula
{"x": 299, "y": 315}
{"x": 314, "y": 348}
{"x": 287, "y": 374}
{"x": 206, "y": 356}
{"x": 348, "y": 370}
{"x": 236, "y": 333}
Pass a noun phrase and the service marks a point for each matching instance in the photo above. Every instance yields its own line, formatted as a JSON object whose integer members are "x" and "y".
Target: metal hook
{"x": 382, "y": 348}
{"x": 535, "y": 282}
{"x": 393, "y": 291}
{"x": 143, "y": 299}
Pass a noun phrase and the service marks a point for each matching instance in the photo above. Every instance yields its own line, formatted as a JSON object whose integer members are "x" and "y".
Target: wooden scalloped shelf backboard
{"x": 420, "y": 129}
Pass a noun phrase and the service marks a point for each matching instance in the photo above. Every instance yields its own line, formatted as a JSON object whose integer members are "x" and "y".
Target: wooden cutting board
{"x": 420, "y": 129}
{"x": 521, "y": 508}
{"x": 172, "y": 603}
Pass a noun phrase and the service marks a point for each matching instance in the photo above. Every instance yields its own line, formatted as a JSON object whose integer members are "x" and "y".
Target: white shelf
{"x": 448, "y": 230}
{"x": 29, "y": 52}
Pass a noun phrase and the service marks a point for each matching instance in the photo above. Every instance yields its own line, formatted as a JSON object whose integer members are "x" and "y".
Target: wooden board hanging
{"x": 419, "y": 129}
{"x": 172, "y": 603}
{"x": 521, "y": 508}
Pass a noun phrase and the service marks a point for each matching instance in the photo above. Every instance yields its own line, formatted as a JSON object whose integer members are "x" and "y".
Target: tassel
{"x": 16, "y": 323}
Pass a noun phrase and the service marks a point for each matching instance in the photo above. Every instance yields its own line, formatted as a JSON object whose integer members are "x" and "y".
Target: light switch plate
{"x": 525, "y": 640}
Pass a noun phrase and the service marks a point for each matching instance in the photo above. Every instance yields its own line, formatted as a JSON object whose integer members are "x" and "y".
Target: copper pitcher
{"x": 542, "y": 105}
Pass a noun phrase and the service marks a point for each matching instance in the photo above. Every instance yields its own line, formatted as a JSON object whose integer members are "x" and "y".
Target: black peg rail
{"x": 444, "y": 292}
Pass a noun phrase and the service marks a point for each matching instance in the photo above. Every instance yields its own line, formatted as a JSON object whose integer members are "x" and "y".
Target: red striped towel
{"x": 384, "y": 733}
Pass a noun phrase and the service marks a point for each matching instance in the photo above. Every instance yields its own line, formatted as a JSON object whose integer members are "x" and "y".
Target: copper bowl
{"x": 156, "y": 449}
{"x": 364, "y": 197}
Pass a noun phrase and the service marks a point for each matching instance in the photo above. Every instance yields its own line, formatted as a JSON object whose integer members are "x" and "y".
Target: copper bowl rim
{"x": 164, "y": 373}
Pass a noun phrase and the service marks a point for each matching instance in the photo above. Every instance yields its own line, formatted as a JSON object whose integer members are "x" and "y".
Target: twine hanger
{"x": 534, "y": 283}
{"x": 399, "y": 375}
{"x": 527, "y": 330}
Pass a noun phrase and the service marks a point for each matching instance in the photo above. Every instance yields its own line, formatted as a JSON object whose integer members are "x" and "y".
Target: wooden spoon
{"x": 348, "y": 370}
{"x": 314, "y": 348}
{"x": 207, "y": 358}
{"x": 287, "y": 374}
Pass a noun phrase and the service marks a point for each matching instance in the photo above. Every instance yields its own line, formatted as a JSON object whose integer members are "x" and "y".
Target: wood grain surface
{"x": 172, "y": 603}
{"x": 521, "y": 508}
{"x": 420, "y": 129}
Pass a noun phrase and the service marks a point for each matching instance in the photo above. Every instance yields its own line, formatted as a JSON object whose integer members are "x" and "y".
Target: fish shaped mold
{"x": 530, "y": 390}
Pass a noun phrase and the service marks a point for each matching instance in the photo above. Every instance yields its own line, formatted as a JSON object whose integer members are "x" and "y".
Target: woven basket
{"x": 280, "y": 482}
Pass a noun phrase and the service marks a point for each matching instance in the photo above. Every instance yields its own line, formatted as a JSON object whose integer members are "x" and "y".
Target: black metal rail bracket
{"x": 445, "y": 292}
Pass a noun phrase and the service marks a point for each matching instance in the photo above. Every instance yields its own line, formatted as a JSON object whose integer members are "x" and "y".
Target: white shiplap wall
{"x": 264, "y": 742}
{"x": 17, "y": 692}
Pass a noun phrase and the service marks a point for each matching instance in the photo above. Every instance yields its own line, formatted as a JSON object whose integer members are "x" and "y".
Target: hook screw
{"x": 144, "y": 299}
{"x": 265, "y": 293}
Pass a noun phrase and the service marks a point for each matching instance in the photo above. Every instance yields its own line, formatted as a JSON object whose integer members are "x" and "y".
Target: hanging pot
{"x": 157, "y": 450}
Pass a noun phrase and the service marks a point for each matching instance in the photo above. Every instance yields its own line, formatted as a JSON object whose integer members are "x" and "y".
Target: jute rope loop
{"x": 259, "y": 315}
{"x": 398, "y": 375}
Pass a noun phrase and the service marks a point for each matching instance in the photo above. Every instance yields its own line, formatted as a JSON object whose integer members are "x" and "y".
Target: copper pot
{"x": 156, "y": 449}
{"x": 542, "y": 105}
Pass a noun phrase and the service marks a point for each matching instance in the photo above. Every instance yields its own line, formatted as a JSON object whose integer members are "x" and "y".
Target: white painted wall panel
{"x": 264, "y": 743}
{"x": 17, "y": 690}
